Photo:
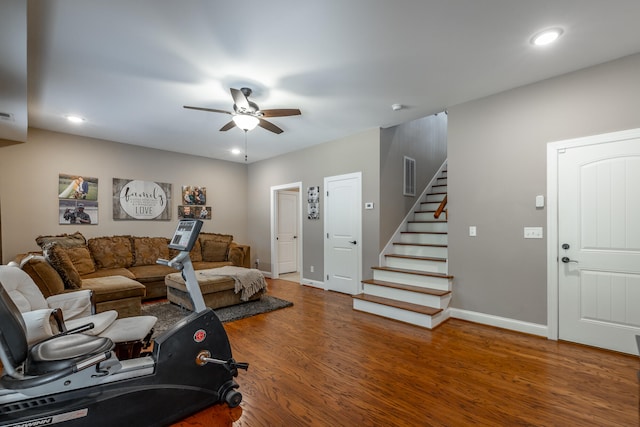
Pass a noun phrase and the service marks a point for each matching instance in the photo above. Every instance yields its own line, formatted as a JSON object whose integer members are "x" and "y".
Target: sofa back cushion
{"x": 195, "y": 254}
{"x": 81, "y": 259}
{"x": 147, "y": 250}
{"x": 64, "y": 240}
{"x": 43, "y": 274}
{"x": 215, "y": 247}
{"x": 112, "y": 252}
{"x": 61, "y": 261}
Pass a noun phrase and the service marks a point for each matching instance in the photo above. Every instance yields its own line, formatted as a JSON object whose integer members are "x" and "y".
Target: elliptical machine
{"x": 76, "y": 379}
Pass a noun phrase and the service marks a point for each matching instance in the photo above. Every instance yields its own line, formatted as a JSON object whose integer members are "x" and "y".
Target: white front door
{"x": 287, "y": 231}
{"x": 599, "y": 244}
{"x": 343, "y": 229}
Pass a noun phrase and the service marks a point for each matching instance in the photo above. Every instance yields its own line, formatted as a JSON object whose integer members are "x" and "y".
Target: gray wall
{"x": 497, "y": 165}
{"x": 357, "y": 153}
{"x": 29, "y": 187}
{"x": 424, "y": 140}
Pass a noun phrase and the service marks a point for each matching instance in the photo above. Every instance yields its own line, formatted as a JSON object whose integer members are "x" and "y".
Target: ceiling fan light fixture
{"x": 246, "y": 122}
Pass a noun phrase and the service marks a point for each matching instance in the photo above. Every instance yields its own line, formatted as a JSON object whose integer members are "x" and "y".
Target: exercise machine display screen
{"x": 186, "y": 234}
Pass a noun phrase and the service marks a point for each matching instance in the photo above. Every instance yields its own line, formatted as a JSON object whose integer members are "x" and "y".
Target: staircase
{"x": 412, "y": 283}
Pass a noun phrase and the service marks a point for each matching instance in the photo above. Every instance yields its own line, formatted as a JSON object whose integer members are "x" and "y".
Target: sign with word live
{"x": 141, "y": 200}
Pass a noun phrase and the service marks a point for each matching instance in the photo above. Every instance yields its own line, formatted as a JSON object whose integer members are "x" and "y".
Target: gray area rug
{"x": 168, "y": 314}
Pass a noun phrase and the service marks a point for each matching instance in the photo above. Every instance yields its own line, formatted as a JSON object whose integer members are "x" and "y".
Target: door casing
{"x": 553, "y": 150}
{"x": 274, "y": 244}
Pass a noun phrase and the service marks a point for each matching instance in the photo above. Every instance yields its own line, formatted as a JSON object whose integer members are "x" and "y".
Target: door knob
{"x": 567, "y": 260}
{"x": 353, "y": 242}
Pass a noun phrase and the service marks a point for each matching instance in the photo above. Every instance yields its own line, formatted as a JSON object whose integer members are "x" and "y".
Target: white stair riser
{"x": 439, "y": 283}
{"x": 424, "y": 238}
{"x": 426, "y": 300}
{"x": 431, "y": 206}
{"x": 434, "y": 197}
{"x": 428, "y": 216}
{"x": 428, "y": 227}
{"x": 427, "y": 251}
{"x": 417, "y": 264}
{"x": 441, "y": 187}
{"x": 411, "y": 317}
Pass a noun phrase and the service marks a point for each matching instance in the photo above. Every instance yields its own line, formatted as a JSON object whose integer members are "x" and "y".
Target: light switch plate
{"x": 533, "y": 233}
{"x": 473, "y": 231}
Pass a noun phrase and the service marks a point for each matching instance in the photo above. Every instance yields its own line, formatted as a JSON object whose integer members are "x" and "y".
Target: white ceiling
{"x": 128, "y": 66}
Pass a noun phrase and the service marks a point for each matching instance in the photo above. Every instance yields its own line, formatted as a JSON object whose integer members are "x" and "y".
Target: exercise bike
{"x": 76, "y": 379}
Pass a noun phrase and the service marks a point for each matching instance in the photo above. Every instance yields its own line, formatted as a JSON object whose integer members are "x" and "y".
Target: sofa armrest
{"x": 73, "y": 304}
{"x": 239, "y": 255}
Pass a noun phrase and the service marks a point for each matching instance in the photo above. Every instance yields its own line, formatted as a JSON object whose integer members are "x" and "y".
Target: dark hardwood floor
{"x": 320, "y": 363}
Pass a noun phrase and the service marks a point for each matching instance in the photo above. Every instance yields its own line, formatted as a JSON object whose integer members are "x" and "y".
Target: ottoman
{"x": 116, "y": 293}
{"x": 217, "y": 292}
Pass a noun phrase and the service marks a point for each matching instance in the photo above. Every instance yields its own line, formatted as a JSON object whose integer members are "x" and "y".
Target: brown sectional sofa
{"x": 121, "y": 270}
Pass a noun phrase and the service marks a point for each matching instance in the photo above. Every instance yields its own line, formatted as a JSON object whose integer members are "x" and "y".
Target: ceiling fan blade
{"x": 211, "y": 110}
{"x": 241, "y": 101}
{"x": 282, "y": 112}
{"x": 228, "y": 126}
{"x": 269, "y": 126}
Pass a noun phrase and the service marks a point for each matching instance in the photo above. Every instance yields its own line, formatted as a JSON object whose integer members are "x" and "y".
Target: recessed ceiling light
{"x": 236, "y": 151}
{"x": 396, "y": 107}
{"x": 546, "y": 37}
{"x": 74, "y": 119}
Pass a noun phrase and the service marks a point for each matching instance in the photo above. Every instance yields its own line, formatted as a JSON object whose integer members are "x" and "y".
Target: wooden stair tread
{"x": 402, "y": 286}
{"x": 416, "y": 272}
{"x": 420, "y": 244}
{"x": 429, "y": 311}
{"x": 420, "y": 258}
{"x": 424, "y": 232}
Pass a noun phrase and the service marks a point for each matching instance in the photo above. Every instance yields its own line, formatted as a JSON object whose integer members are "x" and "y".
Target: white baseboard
{"x": 314, "y": 283}
{"x": 500, "y": 322}
{"x": 266, "y": 274}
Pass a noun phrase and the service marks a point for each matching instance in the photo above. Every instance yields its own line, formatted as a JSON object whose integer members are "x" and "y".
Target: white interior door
{"x": 343, "y": 229}
{"x": 287, "y": 231}
{"x": 599, "y": 244}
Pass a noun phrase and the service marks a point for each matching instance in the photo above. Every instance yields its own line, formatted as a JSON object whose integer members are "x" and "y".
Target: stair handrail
{"x": 441, "y": 207}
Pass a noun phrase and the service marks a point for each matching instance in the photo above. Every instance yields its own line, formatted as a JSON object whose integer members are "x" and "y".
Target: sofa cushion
{"x": 106, "y": 272}
{"x": 238, "y": 254}
{"x": 61, "y": 262}
{"x": 113, "y": 288}
{"x": 149, "y": 249}
{"x": 215, "y": 246}
{"x": 43, "y": 274}
{"x": 150, "y": 273}
{"x": 64, "y": 240}
{"x": 205, "y": 265}
{"x": 112, "y": 252}
{"x": 81, "y": 259}
{"x": 195, "y": 254}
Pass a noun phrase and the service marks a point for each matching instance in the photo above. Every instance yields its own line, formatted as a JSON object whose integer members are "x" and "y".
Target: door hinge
{"x": 327, "y": 277}
{"x": 327, "y": 194}
{"x": 327, "y": 235}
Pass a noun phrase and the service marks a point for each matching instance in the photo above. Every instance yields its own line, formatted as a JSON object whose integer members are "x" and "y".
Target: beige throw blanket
{"x": 248, "y": 280}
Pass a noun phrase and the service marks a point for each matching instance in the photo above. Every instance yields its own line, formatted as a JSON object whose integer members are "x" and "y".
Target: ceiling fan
{"x": 247, "y": 115}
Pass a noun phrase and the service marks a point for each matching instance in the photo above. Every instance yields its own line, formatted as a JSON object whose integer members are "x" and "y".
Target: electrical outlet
{"x": 473, "y": 232}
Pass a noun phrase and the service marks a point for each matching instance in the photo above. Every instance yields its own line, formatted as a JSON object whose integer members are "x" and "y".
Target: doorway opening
{"x": 286, "y": 231}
